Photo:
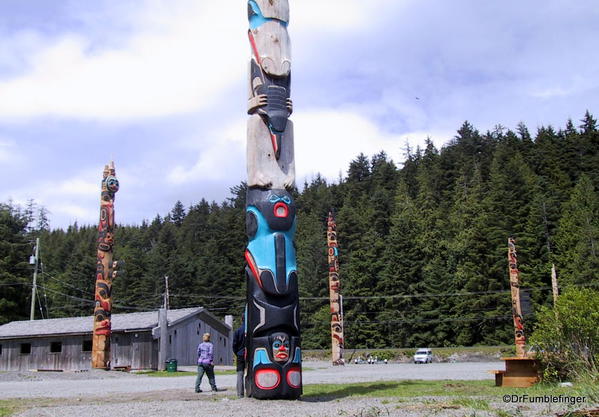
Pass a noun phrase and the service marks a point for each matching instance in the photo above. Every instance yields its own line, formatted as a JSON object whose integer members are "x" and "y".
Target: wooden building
{"x": 66, "y": 344}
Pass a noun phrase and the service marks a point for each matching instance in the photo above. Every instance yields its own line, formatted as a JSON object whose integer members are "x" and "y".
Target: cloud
{"x": 327, "y": 140}
{"x": 221, "y": 156}
{"x": 179, "y": 57}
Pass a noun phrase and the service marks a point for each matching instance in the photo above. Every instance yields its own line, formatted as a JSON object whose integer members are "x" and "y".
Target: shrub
{"x": 566, "y": 338}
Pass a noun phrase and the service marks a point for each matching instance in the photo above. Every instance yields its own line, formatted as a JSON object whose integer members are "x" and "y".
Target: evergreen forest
{"x": 422, "y": 244}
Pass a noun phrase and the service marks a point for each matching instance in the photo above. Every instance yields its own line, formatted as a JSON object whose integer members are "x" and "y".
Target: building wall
{"x": 135, "y": 349}
{"x": 71, "y": 357}
{"x": 184, "y": 338}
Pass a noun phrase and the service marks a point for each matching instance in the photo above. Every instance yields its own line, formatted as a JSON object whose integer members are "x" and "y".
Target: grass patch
{"x": 465, "y": 390}
{"x": 474, "y": 403}
{"x": 8, "y": 408}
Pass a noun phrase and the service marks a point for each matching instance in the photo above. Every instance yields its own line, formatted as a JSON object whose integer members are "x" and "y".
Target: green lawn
{"x": 7, "y": 407}
{"x": 445, "y": 388}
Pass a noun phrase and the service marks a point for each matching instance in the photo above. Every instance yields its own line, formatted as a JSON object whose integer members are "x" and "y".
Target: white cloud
{"x": 178, "y": 60}
{"x": 328, "y": 140}
{"x": 10, "y": 155}
{"x": 180, "y": 57}
{"x": 221, "y": 154}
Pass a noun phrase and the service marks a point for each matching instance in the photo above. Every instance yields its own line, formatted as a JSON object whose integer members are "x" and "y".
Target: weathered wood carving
{"x": 334, "y": 293}
{"x": 104, "y": 271}
{"x": 516, "y": 307}
{"x": 272, "y": 313}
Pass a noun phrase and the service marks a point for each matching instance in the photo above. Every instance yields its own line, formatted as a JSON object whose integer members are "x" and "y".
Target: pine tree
{"x": 577, "y": 237}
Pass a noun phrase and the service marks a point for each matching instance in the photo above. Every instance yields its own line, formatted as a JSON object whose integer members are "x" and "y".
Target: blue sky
{"x": 160, "y": 87}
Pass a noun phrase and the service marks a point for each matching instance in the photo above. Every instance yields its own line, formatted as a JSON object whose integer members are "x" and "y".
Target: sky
{"x": 160, "y": 87}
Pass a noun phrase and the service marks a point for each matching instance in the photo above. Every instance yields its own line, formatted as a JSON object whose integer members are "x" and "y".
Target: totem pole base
{"x": 519, "y": 373}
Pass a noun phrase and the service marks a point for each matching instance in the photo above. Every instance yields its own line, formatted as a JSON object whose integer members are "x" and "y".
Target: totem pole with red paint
{"x": 104, "y": 271}
{"x": 519, "y": 336}
{"x": 334, "y": 293}
{"x": 273, "y": 353}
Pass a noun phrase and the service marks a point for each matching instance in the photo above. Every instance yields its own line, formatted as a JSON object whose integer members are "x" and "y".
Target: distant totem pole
{"x": 104, "y": 271}
{"x": 272, "y": 313}
{"x": 516, "y": 307}
{"x": 335, "y": 297}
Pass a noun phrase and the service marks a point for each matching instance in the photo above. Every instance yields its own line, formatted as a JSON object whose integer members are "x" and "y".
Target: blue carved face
{"x": 280, "y": 347}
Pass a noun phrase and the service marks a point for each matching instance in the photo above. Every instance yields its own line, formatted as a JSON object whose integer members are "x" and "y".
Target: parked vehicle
{"x": 423, "y": 356}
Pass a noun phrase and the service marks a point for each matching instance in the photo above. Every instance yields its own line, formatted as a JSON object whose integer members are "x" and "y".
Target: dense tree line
{"x": 423, "y": 246}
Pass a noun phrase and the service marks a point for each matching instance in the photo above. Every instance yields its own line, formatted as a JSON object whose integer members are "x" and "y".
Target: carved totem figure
{"x": 272, "y": 313}
{"x": 334, "y": 293}
{"x": 516, "y": 307}
{"x": 104, "y": 271}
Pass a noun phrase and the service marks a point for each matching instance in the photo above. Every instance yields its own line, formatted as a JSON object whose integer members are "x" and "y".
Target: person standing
{"x": 206, "y": 362}
{"x": 239, "y": 351}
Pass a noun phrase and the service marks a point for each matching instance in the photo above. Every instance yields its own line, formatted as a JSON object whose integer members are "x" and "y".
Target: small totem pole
{"x": 104, "y": 271}
{"x": 335, "y": 297}
{"x": 516, "y": 308}
{"x": 272, "y": 313}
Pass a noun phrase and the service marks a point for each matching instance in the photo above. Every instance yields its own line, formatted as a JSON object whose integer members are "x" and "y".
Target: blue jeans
{"x": 209, "y": 369}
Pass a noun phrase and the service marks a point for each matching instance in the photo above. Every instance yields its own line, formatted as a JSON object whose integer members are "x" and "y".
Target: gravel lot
{"x": 70, "y": 384}
{"x": 128, "y": 395}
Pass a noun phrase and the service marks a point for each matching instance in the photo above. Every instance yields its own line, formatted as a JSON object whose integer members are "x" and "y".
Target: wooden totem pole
{"x": 522, "y": 370}
{"x": 516, "y": 307}
{"x": 273, "y": 352}
{"x": 335, "y": 297}
{"x": 104, "y": 271}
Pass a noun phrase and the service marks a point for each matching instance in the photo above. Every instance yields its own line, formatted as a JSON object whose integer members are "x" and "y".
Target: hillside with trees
{"x": 423, "y": 244}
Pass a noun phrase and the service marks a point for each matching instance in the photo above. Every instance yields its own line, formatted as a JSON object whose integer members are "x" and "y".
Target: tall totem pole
{"x": 516, "y": 307}
{"x": 104, "y": 271}
{"x": 272, "y": 313}
{"x": 335, "y": 297}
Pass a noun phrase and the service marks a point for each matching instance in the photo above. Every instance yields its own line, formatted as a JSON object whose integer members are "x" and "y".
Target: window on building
{"x": 55, "y": 347}
{"x": 25, "y": 348}
{"x": 86, "y": 346}
{"x": 0, "y": 349}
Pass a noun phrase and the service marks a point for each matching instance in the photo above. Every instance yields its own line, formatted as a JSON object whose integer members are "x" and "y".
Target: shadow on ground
{"x": 332, "y": 392}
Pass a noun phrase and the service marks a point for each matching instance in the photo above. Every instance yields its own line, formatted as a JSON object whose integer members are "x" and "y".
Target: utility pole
{"x": 34, "y": 286}
{"x": 554, "y": 287}
{"x": 166, "y": 294}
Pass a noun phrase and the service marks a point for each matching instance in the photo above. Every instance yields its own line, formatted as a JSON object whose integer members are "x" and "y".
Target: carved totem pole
{"x": 104, "y": 271}
{"x": 335, "y": 297}
{"x": 272, "y": 313}
{"x": 516, "y": 307}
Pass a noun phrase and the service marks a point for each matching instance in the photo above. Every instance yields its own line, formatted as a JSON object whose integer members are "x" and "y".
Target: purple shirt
{"x": 205, "y": 353}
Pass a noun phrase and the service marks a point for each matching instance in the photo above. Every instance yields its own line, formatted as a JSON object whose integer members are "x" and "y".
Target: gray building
{"x": 66, "y": 344}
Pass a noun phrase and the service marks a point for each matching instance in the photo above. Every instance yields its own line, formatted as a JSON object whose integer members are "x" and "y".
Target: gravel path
{"x": 69, "y": 385}
{"x": 129, "y": 395}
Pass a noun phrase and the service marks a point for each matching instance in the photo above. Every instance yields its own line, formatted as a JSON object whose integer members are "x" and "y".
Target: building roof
{"x": 76, "y": 325}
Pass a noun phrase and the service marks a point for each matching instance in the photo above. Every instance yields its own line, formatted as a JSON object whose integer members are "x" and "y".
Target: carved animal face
{"x": 112, "y": 184}
{"x": 280, "y": 347}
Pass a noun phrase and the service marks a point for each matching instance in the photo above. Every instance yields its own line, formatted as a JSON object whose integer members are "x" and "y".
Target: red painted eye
{"x": 267, "y": 378}
{"x": 281, "y": 210}
{"x": 294, "y": 378}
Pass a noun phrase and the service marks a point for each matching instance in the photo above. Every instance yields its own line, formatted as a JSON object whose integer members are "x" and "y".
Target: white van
{"x": 423, "y": 356}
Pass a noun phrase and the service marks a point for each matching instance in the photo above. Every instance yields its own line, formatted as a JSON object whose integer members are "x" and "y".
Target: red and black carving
{"x": 334, "y": 293}
{"x": 104, "y": 271}
{"x": 519, "y": 335}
